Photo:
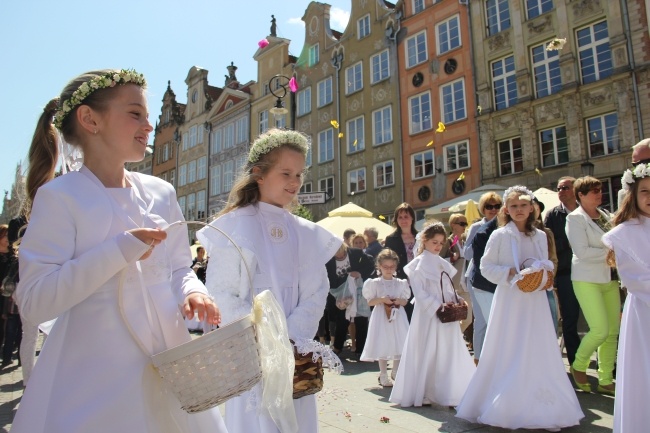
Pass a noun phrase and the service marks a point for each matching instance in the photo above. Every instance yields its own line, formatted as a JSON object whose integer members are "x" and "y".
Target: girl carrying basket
{"x": 437, "y": 366}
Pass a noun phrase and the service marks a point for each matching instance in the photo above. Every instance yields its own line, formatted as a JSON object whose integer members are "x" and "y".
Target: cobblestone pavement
{"x": 354, "y": 402}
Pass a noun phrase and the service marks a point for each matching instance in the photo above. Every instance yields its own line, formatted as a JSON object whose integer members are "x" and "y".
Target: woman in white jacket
{"x": 596, "y": 290}
{"x": 521, "y": 381}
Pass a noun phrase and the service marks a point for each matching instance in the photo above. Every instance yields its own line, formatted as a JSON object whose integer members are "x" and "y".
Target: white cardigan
{"x": 589, "y": 253}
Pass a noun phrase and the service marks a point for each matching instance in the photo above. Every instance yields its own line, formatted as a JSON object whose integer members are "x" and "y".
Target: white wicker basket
{"x": 208, "y": 370}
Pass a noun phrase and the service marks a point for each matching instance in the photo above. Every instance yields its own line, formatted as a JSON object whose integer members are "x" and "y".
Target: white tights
{"x": 383, "y": 367}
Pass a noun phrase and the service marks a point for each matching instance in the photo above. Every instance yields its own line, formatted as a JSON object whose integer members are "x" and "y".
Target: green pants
{"x": 601, "y": 306}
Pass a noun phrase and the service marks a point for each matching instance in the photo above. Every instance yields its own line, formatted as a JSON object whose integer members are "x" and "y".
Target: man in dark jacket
{"x": 354, "y": 262}
{"x": 569, "y": 306}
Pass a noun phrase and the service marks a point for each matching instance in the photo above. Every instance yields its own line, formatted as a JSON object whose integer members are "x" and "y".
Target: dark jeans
{"x": 570, "y": 311}
{"x": 13, "y": 336}
{"x": 337, "y": 323}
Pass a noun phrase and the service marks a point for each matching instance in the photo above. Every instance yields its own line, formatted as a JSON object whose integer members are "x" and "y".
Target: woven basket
{"x": 451, "y": 311}
{"x": 207, "y": 371}
{"x": 307, "y": 376}
{"x": 535, "y": 281}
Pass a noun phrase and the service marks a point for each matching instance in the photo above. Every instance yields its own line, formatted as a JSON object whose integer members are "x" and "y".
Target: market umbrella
{"x": 548, "y": 197}
{"x": 471, "y": 212}
{"x": 352, "y": 216}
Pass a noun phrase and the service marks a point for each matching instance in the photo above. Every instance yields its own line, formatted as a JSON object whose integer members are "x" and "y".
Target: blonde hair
{"x": 488, "y": 197}
{"x": 246, "y": 191}
{"x": 504, "y": 218}
{"x": 429, "y": 232}
{"x": 454, "y": 217}
{"x": 386, "y": 254}
{"x": 359, "y": 236}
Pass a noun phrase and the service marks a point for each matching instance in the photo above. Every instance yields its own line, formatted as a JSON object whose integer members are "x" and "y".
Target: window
{"x": 418, "y": 6}
{"x": 240, "y": 162}
{"x": 363, "y": 27}
{"x": 200, "y": 204}
{"x": 379, "y": 65}
{"x": 355, "y": 136}
{"x": 422, "y": 164}
{"x": 382, "y": 126}
{"x": 215, "y": 179}
{"x": 216, "y": 141}
{"x": 186, "y": 140}
{"x": 314, "y": 54}
{"x": 191, "y": 206}
{"x": 326, "y": 145}
{"x": 308, "y": 157}
{"x": 200, "y": 131}
{"x": 416, "y": 49}
{"x": 603, "y": 135}
{"x": 452, "y": 102}
{"x": 594, "y": 52}
{"x": 354, "y": 78}
{"x": 504, "y": 83}
{"x": 165, "y": 152}
{"x": 456, "y": 156}
{"x": 357, "y": 180}
{"x": 384, "y": 174}
{"x": 304, "y": 101}
{"x": 306, "y": 188}
{"x": 172, "y": 176}
{"x": 420, "y": 112}
{"x": 182, "y": 175}
{"x": 554, "y": 147}
{"x": 448, "y": 35}
{"x": 546, "y": 70}
{"x": 498, "y": 16}
{"x": 241, "y": 130}
{"x": 193, "y": 131}
{"x": 181, "y": 204}
{"x": 325, "y": 92}
{"x": 201, "y": 167}
{"x": 228, "y": 175}
{"x": 510, "y": 156}
{"x": 229, "y": 136}
{"x": 191, "y": 171}
{"x": 535, "y": 8}
{"x": 326, "y": 185}
{"x": 264, "y": 121}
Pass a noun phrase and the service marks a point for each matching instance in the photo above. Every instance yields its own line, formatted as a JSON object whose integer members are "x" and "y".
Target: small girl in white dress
{"x": 386, "y": 335}
{"x": 437, "y": 366}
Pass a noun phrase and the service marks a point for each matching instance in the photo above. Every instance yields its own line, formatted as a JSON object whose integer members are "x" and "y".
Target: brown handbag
{"x": 451, "y": 311}
{"x": 307, "y": 376}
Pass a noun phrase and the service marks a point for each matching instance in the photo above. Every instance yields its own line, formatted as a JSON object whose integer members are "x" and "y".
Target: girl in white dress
{"x": 521, "y": 381}
{"x": 286, "y": 255}
{"x": 629, "y": 240}
{"x": 436, "y": 365}
{"x": 90, "y": 233}
{"x": 386, "y": 335}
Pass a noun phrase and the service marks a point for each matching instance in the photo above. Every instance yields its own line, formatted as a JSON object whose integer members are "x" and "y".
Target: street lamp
{"x": 281, "y": 90}
{"x": 587, "y": 168}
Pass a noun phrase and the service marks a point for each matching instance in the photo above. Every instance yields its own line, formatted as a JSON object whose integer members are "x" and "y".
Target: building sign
{"x": 311, "y": 198}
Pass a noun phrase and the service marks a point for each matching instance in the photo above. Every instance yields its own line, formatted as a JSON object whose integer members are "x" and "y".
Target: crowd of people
{"x": 469, "y": 310}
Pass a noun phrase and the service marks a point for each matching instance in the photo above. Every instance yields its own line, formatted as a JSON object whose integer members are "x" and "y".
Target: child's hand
{"x": 387, "y": 301}
{"x": 205, "y": 307}
{"x": 355, "y": 274}
{"x": 151, "y": 237}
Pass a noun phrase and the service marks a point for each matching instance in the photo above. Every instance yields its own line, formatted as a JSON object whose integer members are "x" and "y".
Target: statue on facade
{"x": 273, "y": 26}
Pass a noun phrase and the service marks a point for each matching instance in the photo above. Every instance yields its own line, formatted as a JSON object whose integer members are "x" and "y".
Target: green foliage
{"x": 303, "y": 212}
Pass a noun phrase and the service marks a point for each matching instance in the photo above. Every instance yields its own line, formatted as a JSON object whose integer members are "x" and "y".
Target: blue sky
{"x": 45, "y": 43}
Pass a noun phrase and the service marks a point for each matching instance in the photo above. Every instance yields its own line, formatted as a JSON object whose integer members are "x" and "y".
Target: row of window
{"x": 222, "y": 176}
{"x": 452, "y": 106}
{"x": 193, "y": 137}
{"x": 164, "y": 153}
{"x": 595, "y": 64}
{"x": 447, "y": 38}
{"x": 602, "y": 137}
{"x": 193, "y": 205}
{"x": 229, "y": 135}
{"x": 192, "y": 171}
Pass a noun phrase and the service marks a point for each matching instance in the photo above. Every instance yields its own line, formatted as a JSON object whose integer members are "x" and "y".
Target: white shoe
{"x": 385, "y": 381}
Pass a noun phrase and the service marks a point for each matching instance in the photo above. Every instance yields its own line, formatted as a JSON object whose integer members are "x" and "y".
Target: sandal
{"x": 582, "y": 386}
{"x": 607, "y": 389}
{"x": 385, "y": 381}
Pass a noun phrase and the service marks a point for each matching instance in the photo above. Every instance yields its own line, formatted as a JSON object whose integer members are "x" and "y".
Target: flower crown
{"x": 522, "y": 190}
{"x": 273, "y": 139}
{"x": 639, "y": 172}
{"x": 109, "y": 79}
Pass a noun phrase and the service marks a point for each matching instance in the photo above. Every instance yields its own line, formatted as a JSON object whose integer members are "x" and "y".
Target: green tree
{"x": 303, "y": 212}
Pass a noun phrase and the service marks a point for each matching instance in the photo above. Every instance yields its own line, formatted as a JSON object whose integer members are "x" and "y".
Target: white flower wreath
{"x": 639, "y": 172}
{"x": 525, "y": 193}
{"x": 276, "y": 138}
{"x": 109, "y": 79}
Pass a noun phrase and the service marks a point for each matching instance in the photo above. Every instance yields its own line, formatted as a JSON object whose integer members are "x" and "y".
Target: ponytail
{"x": 43, "y": 155}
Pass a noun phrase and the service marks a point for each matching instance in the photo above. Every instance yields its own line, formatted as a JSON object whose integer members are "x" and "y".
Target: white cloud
{"x": 296, "y": 20}
{"x": 339, "y": 18}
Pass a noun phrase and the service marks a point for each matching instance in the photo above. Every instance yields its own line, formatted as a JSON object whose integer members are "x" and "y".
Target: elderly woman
{"x": 594, "y": 284}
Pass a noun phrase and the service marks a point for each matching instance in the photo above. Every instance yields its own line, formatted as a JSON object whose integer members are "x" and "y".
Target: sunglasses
{"x": 643, "y": 161}
{"x": 563, "y": 188}
{"x": 462, "y": 224}
{"x": 492, "y": 206}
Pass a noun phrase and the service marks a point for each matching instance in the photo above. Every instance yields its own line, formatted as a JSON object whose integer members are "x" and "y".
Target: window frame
{"x": 417, "y": 9}
{"x": 417, "y": 53}
{"x": 498, "y": 23}
{"x": 263, "y": 121}
{"x": 201, "y": 168}
{"x": 509, "y": 79}
{"x": 513, "y": 160}
{"x": 182, "y": 175}
{"x": 456, "y": 109}
{"x": 439, "y": 39}
{"x": 422, "y": 123}
{"x": 385, "y": 174}
{"x": 445, "y": 156}
{"x": 538, "y": 8}
{"x": 327, "y": 89}
{"x": 363, "y": 24}
{"x": 384, "y": 118}
{"x": 314, "y": 54}
{"x": 556, "y": 151}
{"x": 354, "y": 78}
{"x": 327, "y": 180}
{"x": 360, "y": 182}
{"x": 550, "y": 66}
{"x": 322, "y": 134}
{"x": 303, "y": 99}
{"x": 424, "y": 164}
{"x": 603, "y": 132}
{"x": 353, "y": 132}
{"x": 379, "y": 72}
{"x": 592, "y": 47}
{"x": 215, "y": 180}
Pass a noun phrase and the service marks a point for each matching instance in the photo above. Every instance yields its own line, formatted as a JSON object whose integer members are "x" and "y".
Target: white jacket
{"x": 589, "y": 253}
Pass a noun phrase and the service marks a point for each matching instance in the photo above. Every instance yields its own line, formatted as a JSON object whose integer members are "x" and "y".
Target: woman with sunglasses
{"x": 595, "y": 285}
{"x": 454, "y": 250}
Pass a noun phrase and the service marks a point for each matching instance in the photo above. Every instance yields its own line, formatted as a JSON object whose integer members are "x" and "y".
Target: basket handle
{"x": 120, "y": 286}
{"x": 452, "y": 286}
